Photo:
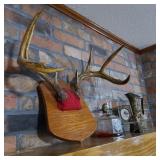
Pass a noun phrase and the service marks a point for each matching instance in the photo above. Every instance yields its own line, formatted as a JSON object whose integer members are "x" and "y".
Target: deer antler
{"x": 23, "y": 54}
{"x": 39, "y": 68}
{"x": 88, "y": 73}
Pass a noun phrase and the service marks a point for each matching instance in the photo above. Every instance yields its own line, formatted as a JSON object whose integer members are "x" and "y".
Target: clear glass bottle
{"x": 108, "y": 124}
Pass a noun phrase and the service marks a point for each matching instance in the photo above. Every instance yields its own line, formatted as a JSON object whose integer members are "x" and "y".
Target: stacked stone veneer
{"x": 149, "y": 70}
{"x": 58, "y": 41}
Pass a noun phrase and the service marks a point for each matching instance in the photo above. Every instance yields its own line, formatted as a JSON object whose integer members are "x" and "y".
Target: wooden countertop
{"x": 141, "y": 145}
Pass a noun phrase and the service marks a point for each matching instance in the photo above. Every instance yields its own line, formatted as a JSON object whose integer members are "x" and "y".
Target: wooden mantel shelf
{"x": 141, "y": 145}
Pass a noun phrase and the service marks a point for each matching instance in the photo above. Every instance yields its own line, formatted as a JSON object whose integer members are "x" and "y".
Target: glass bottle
{"x": 108, "y": 124}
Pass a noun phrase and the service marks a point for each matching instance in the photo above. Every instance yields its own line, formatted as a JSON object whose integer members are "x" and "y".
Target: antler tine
{"x": 27, "y": 38}
{"x": 89, "y": 60}
{"x": 23, "y": 54}
{"x": 101, "y": 73}
{"x": 56, "y": 77}
{"x": 87, "y": 69}
{"x": 77, "y": 79}
{"x": 110, "y": 58}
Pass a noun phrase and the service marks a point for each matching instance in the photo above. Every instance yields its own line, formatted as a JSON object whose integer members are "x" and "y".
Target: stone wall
{"x": 149, "y": 70}
{"x": 58, "y": 41}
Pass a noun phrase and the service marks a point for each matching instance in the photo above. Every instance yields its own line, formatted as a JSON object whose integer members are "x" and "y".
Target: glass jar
{"x": 108, "y": 126}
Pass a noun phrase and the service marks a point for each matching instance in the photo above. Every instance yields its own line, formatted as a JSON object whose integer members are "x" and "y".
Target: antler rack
{"x": 88, "y": 73}
{"x": 44, "y": 70}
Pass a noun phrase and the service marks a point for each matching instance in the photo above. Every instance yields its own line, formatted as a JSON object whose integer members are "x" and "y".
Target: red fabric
{"x": 71, "y": 103}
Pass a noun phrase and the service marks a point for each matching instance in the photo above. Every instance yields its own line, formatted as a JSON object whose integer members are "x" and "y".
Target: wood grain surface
{"x": 73, "y": 125}
{"x": 144, "y": 145}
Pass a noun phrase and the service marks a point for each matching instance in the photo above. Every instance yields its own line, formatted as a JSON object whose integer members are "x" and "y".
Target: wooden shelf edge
{"x": 143, "y": 145}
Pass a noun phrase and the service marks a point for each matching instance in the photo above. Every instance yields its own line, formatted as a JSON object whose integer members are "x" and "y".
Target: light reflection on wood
{"x": 143, "y": 145}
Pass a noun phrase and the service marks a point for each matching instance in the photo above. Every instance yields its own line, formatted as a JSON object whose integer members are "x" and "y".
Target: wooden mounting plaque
{"x": 73, "y": 125}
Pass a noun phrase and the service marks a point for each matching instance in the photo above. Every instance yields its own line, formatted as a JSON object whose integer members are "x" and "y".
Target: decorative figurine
{"x": 106, "y": 108}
